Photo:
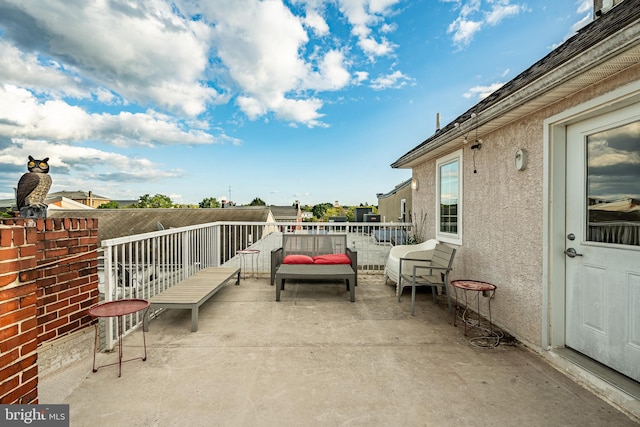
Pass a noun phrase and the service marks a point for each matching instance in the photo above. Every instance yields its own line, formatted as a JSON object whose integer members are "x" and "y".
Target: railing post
{"x": 186, "y": 255}
{"x": 110, "y": 280}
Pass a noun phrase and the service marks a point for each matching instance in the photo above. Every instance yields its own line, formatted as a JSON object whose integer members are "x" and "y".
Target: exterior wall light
{"x": 414, "y": 184}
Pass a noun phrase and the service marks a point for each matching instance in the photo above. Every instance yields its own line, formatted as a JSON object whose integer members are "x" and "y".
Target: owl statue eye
{"x": 42, "y": 165}
{"x": 31, "y": 164}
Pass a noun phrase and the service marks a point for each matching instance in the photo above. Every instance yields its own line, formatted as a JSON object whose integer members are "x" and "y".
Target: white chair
{"x": 422, "y": 250}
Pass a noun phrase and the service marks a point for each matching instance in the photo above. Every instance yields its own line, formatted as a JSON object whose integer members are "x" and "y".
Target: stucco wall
{"x": 389, "y": 206}
{"x": 503, "y": 213}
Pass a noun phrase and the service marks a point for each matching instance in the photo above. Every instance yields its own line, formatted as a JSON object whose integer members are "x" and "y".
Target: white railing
{"x": 144, "y": 265}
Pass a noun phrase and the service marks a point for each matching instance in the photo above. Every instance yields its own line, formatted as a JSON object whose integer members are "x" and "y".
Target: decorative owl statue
{"x": 33, "y": 188}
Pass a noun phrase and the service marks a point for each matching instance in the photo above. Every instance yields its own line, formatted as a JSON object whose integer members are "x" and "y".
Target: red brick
{"x": 53, "y": 253}
{"x": 32, "y": 235}
{"x": 67, "y": 277}
{"x": 45, "y": 282}
{"x": 29, "y": 373}
{"x": 8, "y": 386}
{"x": 69, "y": 309}
{"x": 56, "y": 306}
{"x": 9, "y": 357}
{"x": 29, "y": 324}
{"x": 17, "y": 315}
{"x": 6, "y": 236}
{"x": 9, "y": 267}
{"x": 9, "y": 253}
{"x": 69, "y": 327}
{"x": 30, "y": 275}
{"x": 42, "y": 320}
{"x": 87, "y": 304}
{"x": 7, "y": 279}
{"x": 68, "y": 293}
{"x": 46, "y": 336}
{"x": 28, "y": 263}
{"x": 28, "y": 250}
{"x": 8, "y": 332}
{"x": 49, "y": 299}
{"x": 23, "y": 394}
{"x": 10, "y": 305}
{"x": 18, "y": 291}
{"x": 18, "y": 237}
{"x": 28, "y": 300}
{"x": 55, "y": 324}
{"x": 29, "y": 347}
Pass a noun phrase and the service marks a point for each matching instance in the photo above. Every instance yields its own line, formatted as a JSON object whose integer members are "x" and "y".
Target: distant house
{"x": 395, "y": 205}
{"x": 511, "y": 182}
{"x": 86, "y": 198}
{"x": 287, "y": 213}
{"x": 113, "y": 223}
{"x": 60, "y": 202}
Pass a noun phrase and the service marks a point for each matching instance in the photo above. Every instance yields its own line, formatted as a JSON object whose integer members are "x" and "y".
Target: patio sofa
{"x": 314, "y": 257}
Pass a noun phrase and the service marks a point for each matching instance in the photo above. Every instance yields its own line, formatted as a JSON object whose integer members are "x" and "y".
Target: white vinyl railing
{"x": 144, "y": 265}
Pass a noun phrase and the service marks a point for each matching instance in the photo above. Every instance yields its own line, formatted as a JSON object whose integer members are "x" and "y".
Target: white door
{"x": 603, "y": 239}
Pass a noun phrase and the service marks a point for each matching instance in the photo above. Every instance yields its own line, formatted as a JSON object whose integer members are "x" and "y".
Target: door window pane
{"x": 613, "y": 185}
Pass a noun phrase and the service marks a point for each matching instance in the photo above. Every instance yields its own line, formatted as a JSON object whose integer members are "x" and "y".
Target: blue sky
{"x": 303, "y": 100}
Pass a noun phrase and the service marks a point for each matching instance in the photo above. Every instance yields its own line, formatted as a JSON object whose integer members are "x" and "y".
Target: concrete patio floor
{"x": 315, "y": 359}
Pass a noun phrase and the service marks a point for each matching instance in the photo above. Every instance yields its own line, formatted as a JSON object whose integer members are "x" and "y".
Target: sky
{"x": 298, "y": 100}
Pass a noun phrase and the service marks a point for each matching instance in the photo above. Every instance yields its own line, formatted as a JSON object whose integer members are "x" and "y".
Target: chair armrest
{"x": 443, "y": 269}
{"x": 276, "y": 260}
{"x": 353, "y": 256}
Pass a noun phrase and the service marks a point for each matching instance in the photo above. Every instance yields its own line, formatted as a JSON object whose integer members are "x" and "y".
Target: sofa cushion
{"x": 331, "y": 259}
{"x": 297, "y": 259}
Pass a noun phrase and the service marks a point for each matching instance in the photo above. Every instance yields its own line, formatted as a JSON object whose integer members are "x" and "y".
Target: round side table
{"x": 478, "y": 288}
{"x": 118, "y": 308}
{"x": 251, "y": 253}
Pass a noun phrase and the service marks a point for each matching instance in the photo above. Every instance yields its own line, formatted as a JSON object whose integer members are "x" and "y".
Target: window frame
{"x": 447, "y": 237}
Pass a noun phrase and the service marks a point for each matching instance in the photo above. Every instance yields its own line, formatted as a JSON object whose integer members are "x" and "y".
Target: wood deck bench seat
{"x": 194, "y": 291}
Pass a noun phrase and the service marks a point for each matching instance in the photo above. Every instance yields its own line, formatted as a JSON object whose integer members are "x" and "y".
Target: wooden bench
{"x": 192, "y": 292}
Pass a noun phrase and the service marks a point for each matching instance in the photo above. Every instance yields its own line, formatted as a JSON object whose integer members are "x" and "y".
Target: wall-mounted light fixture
{"x": 414, "y": 184}
{"x": 521, "y": 159}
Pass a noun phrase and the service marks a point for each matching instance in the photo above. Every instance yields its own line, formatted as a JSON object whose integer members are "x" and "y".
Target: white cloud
{"x": 473, "y": 17}
{"x": 394, "y": 80}
{"x": 363, "y": 15}
{"x": 482, "y": 92}
{"x": 25, "y": 116}
{"x": 91, "y": 164}
{"x": 361, "y": 76}
{"x": 144, "y": 51}
{"x": 315, "y": 21}
{"x": 584, "y": 5}
{"x": 154, "y": 55}
{"x": 25, "y": 69}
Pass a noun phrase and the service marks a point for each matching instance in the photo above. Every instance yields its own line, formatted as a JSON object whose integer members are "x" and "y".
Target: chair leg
{"x": 413, "y": 299}
{"x": 446, "y": 292}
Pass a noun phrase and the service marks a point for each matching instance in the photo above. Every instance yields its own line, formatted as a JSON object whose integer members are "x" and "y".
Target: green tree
{"x": 333, "y": 211}
{"x": 157, "y": 201}
{"x": 110, "y": 205}
{"x": 210, "y": 202}
{"x": 320, "y": 209}
{"x": 257, "y": 202}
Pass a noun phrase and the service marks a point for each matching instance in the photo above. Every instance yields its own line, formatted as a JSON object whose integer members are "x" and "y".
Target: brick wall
{"x": 48, "y": 281}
